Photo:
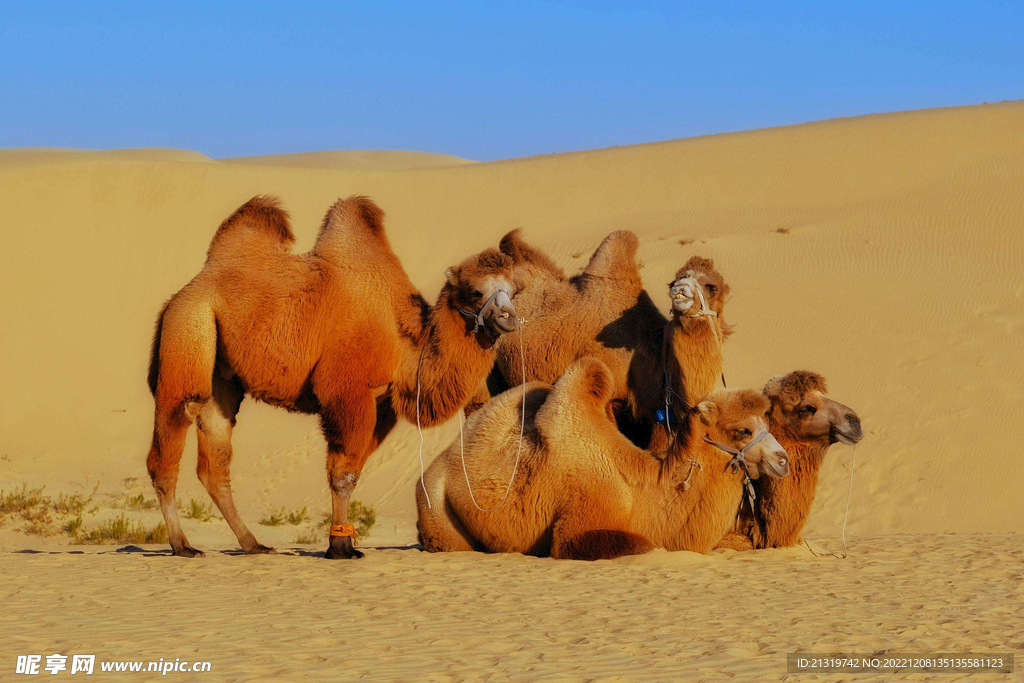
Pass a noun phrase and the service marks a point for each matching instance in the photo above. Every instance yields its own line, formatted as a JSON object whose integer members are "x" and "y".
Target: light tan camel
{"x": 604, "y": 312}
{"x": 806, "y": 422}
{"x": 583, "y": 490}
{"x": 339, "y": 331}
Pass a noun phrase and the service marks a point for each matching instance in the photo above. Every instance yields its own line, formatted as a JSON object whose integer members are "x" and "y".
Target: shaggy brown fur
{"x": 806, "y": 422}
{"x": 339, "y": 331}
{"x": 583, "y": 490}
{"x": 604, "y": 312}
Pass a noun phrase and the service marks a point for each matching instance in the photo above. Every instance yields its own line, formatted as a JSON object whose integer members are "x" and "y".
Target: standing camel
{"x": 806, "y": 422}
{"x": 339, "y": 331}
{"x": 585, "y": 491}
{"x": 661, "y": 367}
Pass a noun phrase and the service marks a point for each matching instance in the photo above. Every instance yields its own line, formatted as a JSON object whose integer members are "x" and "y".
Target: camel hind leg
{"x": 163, "y": 463}
{"x": 181, "y": 372}
{"x": 440, "y": 529}
{"x": 214, "y": 426}
{"x": 591, "y": 532}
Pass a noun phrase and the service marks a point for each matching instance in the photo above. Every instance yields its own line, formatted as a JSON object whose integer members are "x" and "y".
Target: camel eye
{"x": 742, "y": 434}
{"x": 712, "y": 290}
{"x": 807, "y": 411}
{"x": 477, "y": 295}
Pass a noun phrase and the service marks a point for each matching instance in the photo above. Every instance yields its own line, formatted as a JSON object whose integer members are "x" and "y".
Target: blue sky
{"x": 482, "y": 80}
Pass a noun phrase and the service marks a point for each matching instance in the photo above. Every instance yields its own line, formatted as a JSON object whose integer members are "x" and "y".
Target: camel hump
{"x": 513, "y": 245}
{"x": 583, "y": 390}
{"x": 261, "y": 217}
{"x": 351, "y": 224}
{"x": 357, "y": 212}
{"x": 616, "y": 257}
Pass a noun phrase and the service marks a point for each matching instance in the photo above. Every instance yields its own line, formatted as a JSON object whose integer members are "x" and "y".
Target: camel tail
{"x": 154, "y": 352}
{"x": 259, "y": 219}
{"x": 616, "y": 257}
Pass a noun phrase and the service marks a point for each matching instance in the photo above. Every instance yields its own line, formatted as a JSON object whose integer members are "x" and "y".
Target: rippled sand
{"x": 407, "y": 615}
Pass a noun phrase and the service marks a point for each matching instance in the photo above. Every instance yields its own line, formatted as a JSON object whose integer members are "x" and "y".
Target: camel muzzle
{"x": 497, "y": 315}
{"x": 500, "y": 313}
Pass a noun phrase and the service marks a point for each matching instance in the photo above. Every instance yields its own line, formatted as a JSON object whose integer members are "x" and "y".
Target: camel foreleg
{"x": 350, "y": 426}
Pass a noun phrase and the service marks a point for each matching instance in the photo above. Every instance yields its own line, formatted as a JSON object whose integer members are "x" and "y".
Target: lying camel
{"x": 806, "y": 422}
{"x": 339, "y": 331}
{"x": 583, "y": 490}
{"x": 660, "y": 367}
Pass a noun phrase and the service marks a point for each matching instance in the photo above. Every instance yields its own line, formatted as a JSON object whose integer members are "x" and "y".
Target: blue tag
{"x": 661, "y": 415}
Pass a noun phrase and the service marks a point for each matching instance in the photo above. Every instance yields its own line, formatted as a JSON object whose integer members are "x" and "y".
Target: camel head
{"x": 481, "y": 288}
{"x": 802, "y": 411}
{"x": 736, "y": 418}
{"x": 697, "y": 273}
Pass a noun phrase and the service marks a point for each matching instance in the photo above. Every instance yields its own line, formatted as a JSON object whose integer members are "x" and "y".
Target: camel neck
{"x": 692, "y": 500}
{"x": 446, "y": 365}
{"x": 694, "y": 356}
{"x": 784, "y": 504}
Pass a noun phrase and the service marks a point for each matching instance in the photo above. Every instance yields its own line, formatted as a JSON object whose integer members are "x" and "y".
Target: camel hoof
{"x": 342, "y": 551}
{"x": 260, "y": 549}
{"x": 187, "y": 551}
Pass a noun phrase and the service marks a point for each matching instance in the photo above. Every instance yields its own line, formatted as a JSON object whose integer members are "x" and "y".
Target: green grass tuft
{"x": 138, "y": 503}
{"x": 198, "y": 510}
{"x": 279, "y": 517}
{"x": 121, "y": 530}
{"x": 309, "y": 537}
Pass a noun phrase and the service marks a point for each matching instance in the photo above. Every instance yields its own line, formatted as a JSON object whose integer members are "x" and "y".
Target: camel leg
{"x": 441, "y": 531}
{"x": 350, "y": 426}
{"x": 735, "y": 541}
{"x": 591, "y": 533}
{"x": 163, "y": 463}
{"x": 214, "y": 425}
{"x": 478, "y": 399}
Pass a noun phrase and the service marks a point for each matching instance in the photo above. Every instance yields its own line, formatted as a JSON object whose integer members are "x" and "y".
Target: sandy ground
{"x": 883, "y": 251}
{"x": 404, "y": 615}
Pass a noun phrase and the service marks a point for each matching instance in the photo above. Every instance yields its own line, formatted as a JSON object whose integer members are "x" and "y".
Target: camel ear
{"x": 708, "y": 412}
{"x": 452, "y": 275}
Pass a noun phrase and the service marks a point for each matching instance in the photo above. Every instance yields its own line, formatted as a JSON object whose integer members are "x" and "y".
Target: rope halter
{"x": 498, "y": 299}
{"x": 705, "y": 310}
{"x": 739, "y": 461}
{"x": 691, "y": 280}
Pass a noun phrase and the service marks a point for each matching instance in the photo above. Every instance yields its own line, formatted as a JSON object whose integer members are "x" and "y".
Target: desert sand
{"x": 882, "y": 251}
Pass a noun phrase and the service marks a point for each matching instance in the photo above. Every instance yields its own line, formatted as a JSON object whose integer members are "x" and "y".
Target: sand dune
{"x": 884, "y": 252}
{"x": 371, "y": 159}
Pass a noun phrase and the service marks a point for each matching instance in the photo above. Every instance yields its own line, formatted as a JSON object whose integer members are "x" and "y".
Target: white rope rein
{"x": 708, "y": 313}
{"x": 419, "y": 428}
{"x": 849, "y": 495}
{"x": 846, "y": 514}
{"x": 462, "y": 443}
{"x": 522, "y": 431}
